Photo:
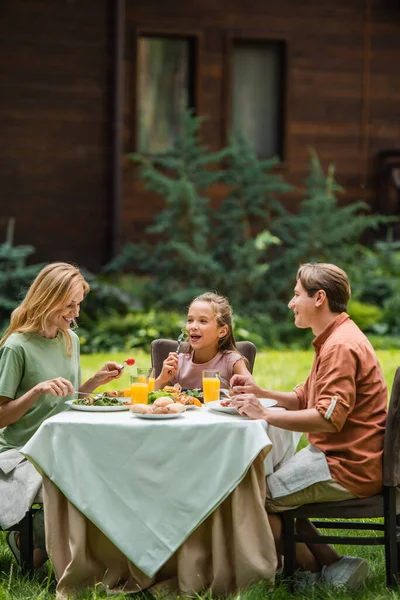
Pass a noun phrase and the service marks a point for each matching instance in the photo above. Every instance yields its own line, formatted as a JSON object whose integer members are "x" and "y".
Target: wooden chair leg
{"x": 390, "y": 524}
{"x": 26, "y": 542}
{"x": 289, "y": 547}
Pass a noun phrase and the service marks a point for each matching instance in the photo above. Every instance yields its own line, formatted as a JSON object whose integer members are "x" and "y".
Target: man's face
{"x": 303, "y": 307}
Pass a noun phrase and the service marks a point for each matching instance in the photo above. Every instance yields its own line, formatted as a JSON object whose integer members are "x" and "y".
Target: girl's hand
{"x": 111, "y": 370}
{"x": 170, "y": 367}
{"x": 248, "y": 405}
{"x": 56, "y": 387}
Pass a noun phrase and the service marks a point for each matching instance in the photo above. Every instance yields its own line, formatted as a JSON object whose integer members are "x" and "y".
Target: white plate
{"x": 216, "y": 405}
{"x": 95, "y": 408}
{"x": 160, "y": 416}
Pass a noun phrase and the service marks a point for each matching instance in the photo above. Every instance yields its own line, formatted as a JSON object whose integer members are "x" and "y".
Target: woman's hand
{"x": 245, "y": 384}
{"x": 56, "y": 387}
{"x": 170, "y": 367}
{"x": 109, "y": 372}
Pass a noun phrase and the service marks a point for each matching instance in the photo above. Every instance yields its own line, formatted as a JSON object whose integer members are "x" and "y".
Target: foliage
{"x": 321, "y": 231}
{"x": 15, "y": 274}
{"x": 376, "y": 280}
{"x": 366, "y": 316}
{"x": 198, "y": 248}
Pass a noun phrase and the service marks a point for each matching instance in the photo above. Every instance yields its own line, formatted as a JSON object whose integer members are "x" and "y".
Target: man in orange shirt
{"x": 341, "y": 407}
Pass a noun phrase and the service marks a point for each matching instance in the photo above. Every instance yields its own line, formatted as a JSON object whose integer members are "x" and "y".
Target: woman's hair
{"x": 48, "y": 293}
{"x": 223, "y": 315}
{"x": 327, "y": 277}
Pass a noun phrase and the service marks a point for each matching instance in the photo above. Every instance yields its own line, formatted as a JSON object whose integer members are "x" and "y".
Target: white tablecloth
{"x": 151, "y": 481}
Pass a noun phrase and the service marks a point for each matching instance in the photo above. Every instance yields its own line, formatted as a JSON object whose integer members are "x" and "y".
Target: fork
{"x": 181, "y": 338}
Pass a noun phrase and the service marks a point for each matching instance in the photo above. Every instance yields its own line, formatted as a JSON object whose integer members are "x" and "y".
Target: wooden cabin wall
{"x": 54, "y": 131}
{"x": 343, "y": 82}
{"x": 343, "y": 92}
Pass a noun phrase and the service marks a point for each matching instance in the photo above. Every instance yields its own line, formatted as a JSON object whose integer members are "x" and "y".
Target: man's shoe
{"x": 305, "y": 581}
{"x": 348, "y": 572}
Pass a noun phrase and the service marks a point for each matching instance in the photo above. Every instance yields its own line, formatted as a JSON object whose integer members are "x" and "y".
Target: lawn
{"x": 279, "y": 370}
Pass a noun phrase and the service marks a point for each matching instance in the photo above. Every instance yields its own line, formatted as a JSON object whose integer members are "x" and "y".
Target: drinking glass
{"x": 140, "y": 387}
{"x": 211, "y": 385}
{"x": 152, "y": 379}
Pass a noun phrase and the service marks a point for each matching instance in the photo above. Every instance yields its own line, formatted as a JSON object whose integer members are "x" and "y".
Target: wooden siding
{"x": 343, "y": 99}
{"x": 54, "y": 151}
{"x": 343, "y": 82}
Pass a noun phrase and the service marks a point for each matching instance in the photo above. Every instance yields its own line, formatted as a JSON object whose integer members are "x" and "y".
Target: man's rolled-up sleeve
{"x": 335, "y": 390}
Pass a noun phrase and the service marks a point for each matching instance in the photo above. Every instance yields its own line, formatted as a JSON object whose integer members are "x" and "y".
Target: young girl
{"x": 39, "y": 370}
{"x": 211, "y": 345}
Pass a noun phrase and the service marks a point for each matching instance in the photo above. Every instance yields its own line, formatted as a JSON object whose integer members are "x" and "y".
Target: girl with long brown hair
{"x": 211, "y": 345}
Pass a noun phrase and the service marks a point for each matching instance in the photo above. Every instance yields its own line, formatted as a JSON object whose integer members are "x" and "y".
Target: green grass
{"x": 274, "y": 369}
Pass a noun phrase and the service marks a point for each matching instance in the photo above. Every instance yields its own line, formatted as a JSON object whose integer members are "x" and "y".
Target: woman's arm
{"x": 12, "y": 411}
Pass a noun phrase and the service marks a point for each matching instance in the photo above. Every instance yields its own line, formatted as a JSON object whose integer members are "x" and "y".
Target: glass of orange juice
{"x": 140, "y": 387}
{"x": 211, "y": 385}
{"x": 152, "y": 379}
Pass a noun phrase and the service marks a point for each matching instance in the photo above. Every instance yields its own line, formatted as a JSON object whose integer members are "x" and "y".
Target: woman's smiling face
{"x": 62, "y": 318}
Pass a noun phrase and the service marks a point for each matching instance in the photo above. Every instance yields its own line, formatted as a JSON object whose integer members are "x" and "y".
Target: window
{"x": 165, "y": 86}
{"x": 258, "y": 95}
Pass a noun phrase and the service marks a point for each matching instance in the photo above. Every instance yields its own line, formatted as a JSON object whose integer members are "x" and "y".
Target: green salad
{"x": 158, "y": 394}
{"x": 98, "y": 401}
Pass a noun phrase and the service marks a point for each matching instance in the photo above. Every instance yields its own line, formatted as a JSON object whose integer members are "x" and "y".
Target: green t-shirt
{"x": 27, "y": 359}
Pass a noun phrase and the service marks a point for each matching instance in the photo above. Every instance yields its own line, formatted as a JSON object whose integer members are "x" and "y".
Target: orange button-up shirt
{"x": 346, "y": 386}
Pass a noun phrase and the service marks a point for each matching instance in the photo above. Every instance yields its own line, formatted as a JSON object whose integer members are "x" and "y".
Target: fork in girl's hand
{"x": 181, "y": 338}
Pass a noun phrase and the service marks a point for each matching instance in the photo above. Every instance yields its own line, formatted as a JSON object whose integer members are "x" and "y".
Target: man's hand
{"x": 248, "y": 405}
{"x": 245, "y": 384}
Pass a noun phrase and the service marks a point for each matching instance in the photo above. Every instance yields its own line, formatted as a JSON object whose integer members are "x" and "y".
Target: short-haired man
{"x": 341, "y": 407}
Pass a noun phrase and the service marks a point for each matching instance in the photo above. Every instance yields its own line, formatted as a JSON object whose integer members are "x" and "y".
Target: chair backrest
{"x": 391, "y": 455}
{"x": 160, "y": 349}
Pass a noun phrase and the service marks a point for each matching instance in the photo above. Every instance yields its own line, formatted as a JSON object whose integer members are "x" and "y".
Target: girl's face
{"x": 202, "y": 327}
{"x": 62, "y": 318}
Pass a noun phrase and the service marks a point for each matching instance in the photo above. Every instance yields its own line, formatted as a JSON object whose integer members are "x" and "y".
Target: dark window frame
{"x": 227, "y": 97}
{"x": 195, "y": 39}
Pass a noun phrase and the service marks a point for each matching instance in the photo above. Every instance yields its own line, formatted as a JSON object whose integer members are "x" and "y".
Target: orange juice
{"x": 211, "y": 387}
{"x": 139, "y": 392}
{"x": 142, "y": 378}
{"x": 152, "y": 383}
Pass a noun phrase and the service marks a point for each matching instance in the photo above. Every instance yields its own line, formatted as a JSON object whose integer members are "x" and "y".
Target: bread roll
{"x": 142, "y": 409}
{"x": 159, "y": 410}
{"x": 163, "y": 401}
{"x": 175, "y": 408}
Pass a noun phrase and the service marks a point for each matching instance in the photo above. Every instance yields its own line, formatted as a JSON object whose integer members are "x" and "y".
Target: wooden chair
{"x": 379, "y": 506}
{"x": 161, "y": 347}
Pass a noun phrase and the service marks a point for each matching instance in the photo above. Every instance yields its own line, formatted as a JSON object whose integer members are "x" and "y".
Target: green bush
{"x": 366, "y": 316}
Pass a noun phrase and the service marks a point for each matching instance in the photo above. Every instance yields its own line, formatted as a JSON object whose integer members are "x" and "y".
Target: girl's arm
{"x": 13, "y": 410}
{"x": 168, "y": 371}
{"x": 240, "y": 368}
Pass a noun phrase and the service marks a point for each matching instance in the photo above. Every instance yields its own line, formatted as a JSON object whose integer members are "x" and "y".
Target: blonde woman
{"x": 39, "y": 370}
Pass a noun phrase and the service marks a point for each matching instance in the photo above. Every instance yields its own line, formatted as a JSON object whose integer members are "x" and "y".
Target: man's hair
{"x": 327, "y": 277}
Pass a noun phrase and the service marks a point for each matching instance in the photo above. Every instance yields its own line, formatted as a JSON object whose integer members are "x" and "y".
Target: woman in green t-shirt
{"x": 39, "y": 370}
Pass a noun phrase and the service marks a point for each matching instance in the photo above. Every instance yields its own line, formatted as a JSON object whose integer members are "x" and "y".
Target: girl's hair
{"x": 48, "y": 293}
{"x": 223, "y": 315}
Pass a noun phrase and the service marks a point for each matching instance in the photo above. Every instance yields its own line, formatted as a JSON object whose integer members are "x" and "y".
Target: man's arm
{"x": 308, "y": 420}
{"x": 242, "y": 384}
